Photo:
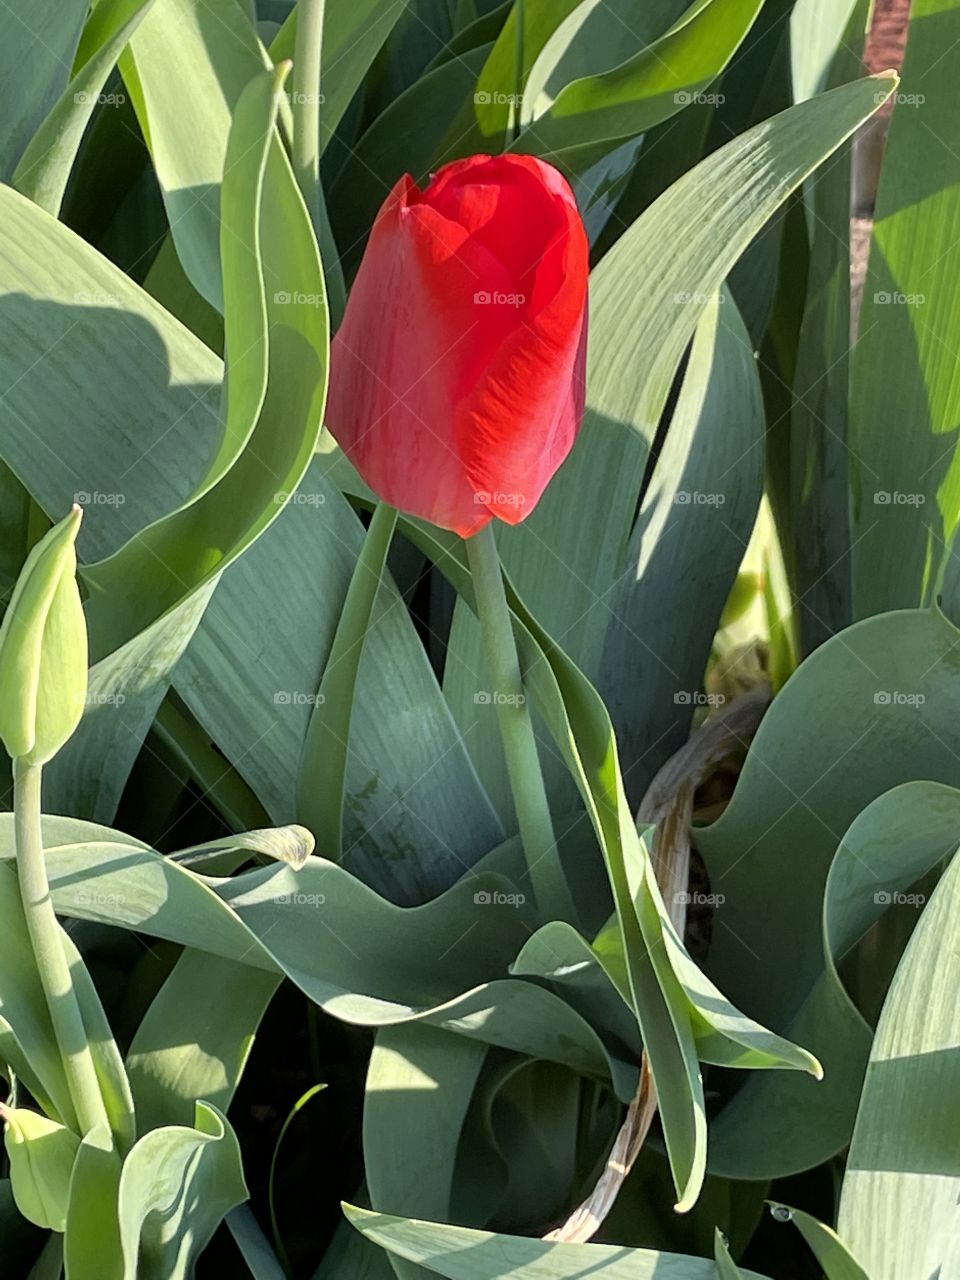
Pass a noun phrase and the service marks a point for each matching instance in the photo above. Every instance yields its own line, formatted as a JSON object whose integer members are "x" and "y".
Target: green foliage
{"x": 750, "y": 974}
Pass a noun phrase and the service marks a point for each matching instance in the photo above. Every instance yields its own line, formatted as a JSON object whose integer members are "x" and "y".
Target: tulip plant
{"x": 478, "y": 650}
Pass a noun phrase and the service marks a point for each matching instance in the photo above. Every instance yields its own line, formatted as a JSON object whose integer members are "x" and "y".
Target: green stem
{"x": 306, "y": 102}
{"x": 48, "y": 953}
{"x": 516, "y": 731}
{"x": 513, "y": 125}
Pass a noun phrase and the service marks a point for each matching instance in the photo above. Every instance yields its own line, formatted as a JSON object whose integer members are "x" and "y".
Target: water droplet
{"x": 780, "y": 1213}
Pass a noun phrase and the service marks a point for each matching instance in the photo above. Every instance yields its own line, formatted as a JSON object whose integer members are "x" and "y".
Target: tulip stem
{"x": 516, "y": 731}
{"x": 308, "y": 47}
{"x": 48, "y": 952}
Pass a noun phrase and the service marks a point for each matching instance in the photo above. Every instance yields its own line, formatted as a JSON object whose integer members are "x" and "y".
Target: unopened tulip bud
{"x": 42, "y": 1155}
{"x": 43, "y": 650}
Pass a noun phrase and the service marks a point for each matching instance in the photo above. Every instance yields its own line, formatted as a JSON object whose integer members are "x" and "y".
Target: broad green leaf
{"x": 420, "y": 1083}
{"x": 185, "y": 70}
{"x": 574, "y": 122}
{"x": 44, "y": 168}
{"x": 177, "y": 1185}
{"x": 727, "y": 1269}
{"x": 196, "y": 1037}
{"x": 898, "y": 1207}
{"x": 462, "y": 1254}
{"x": 402, "y": 139}
{"x": 807, "y": 778}
{"x": 666, "y": 1013}
{"x": 818, "y": 31}
{"x": 816, "y": 527}
{"x": 639, "y": 334}
{"x": 321, "y": 784}
{"x": 904, "y": 398}
{"x": 353, "y": 33}
{"x": 689, "y": 539}
{"x": 92, "y": 1239}
{"x": 830, "y": 1251}
{"x": 414, "y": 965}
{"x": 108, "y": 1064}
{"x": 410, "y": 785}
{"x": 28, "y": 1046}
{"x": 484, "y": 124}
{"x": 261, "y": 1261}
{"x": 165, "y": 575}
{"x": 40, "y": 40}
{"x": 291, "y": 844}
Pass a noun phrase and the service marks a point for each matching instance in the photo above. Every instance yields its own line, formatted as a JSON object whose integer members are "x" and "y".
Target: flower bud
{"x": 41, "y": 1154}
{"x": 43, "y": 650}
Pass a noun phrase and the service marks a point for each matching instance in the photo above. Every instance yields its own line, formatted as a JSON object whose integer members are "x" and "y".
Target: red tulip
{"x": 457, "y": 376}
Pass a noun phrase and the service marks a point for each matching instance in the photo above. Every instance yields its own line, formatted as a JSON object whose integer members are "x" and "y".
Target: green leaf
{"x": 688, "y": 541}
{"x": 666, "y": 1012}
{"x": 816, "y": 529}
{"x": 808, "y": 777}
{"x": 195, "y": 1038}
{"x": 830, "y": 1251}
{"x": 177, "y": 1185}
{"x": 575, "y": 121}
{"x": 37, "y": 50}
{"x": 185, "y": 70}
{"x": 28, "y": 1046}
{"x": 410, "y": 785}
{"x": 353, "y": 33}
{"x": 412, "y": 967}
{"x": 899, "y": 1199}
{"x": 904, "y": 398}
{"x": 44, "y": 168}
{"x": 92, "y": 1240}
{"x": 321, "y": 784}
{"x": 419, "y": 1088}
{"x": 261, "y": 1261}
{"x": 462, "y": 1254}
{"x": 639, "y": 335}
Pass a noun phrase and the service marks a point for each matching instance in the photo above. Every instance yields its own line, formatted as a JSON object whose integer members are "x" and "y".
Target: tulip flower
{"x": 43, "y": 688}
{"x": 43, "y": 650}
{"x": 457, "y": 376}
